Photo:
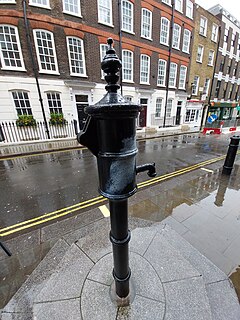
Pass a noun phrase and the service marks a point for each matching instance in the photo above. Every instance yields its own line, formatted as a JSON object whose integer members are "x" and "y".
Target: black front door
{"x": 81, "y": 103}
{"x": 178, "y": 116}
{"x": 143, "y": 113}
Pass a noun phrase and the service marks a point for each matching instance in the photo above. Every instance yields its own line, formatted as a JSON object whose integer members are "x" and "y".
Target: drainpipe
{"x": 211, "y": 88}
{"x": 120, "y": 41}
{"x": 169, "y": 62}
{"x": 35, "y": 71}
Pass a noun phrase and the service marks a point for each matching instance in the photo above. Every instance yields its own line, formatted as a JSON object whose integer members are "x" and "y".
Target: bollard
{"x": 231, "y": 154}
{"x": 110, "y": 134}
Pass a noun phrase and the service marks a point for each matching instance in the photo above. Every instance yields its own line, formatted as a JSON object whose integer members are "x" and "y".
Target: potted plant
{"x": 26, "y": 120}
{"x": 27, "y": 127}
{"x": 57, "y": 119}
{"x": 57, "y": 125}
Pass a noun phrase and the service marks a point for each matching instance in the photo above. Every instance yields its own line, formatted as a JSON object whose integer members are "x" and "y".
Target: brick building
{"x": 204, "y": 52}
{"x": 225, "y": 91}
{"x": 67, "y": 42}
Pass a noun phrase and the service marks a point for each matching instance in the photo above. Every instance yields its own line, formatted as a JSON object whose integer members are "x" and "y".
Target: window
{"x": 210, "y": 58}
{"x": 39, "y": 3}
{"x": 10, "y": 49}
{"x": 233, "y": 40}
{"x": 176, "y": 36}
{"x": 46, "y": 53}
{"x": 186, "y": 40}
{"x": 169, "y": 108}
{"x": 200, "y": 53}
{"x": 54, "y": 102}
{"x": 127, "y": 16}
{"x": 146, "y": 29}
{"x": 190, "y": 115}
{"x": 229, "y": 66}
{"x": 226, "y": 35}
{"x": 172, "y": 74}
{"x": 76, "y": 56}
{"x": 182, "y": 77}
{"x": 235, "y": 69}
{"x": 206, "y": 86}
{"x": 161, "y": 72}
{"x": 203, "y": 26}
{"x": 144, "y": 69}
{"x": 127, "y": 66}
{"x": 179, "y": 5}
{"x": 159, "y": 103}
{"x": 167, "y": 1}
{"x": 214, "y": 32}
{"x": 72, "y": 7}
{"x": 7, "y": 1}
{"x": 230, "y": 91}
{"x": 128, "y": 98}
{"x": 103, "y": 50}
{"x": 195, "y": 85}
{"x": 221, "y": 65}
{"x": 22, "y": 103}
{"x": 189, "y": 9}
{"x": 217, "y": 88}
{"x": 105, "y": 11}
{"x": 164, "y": 33}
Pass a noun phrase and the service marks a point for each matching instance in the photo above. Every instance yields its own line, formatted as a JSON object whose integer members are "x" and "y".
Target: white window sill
{"x": 181, "y": 11}
{"x": 164, "y": 44}
{"x": 198, "y": 61}
{"x": 187, "y": 52}
{"x": 145, "y": 83}
{"x": 176, "y": 48}
{"x": 55, "y": 73}
{"x": 181, "y": 88}
{"x": 7, "y": 2}
{"x": 172, "y": 87}
{"x": 131, "y": 32}
{"x": 40, "y": 6}
{"x": 161, "y": 85}
{"x": 128, "y": 81}
{"x": 168, "y": 4}
{"x": 150, "y": 39}
{"x": 73, "y": 14}
{"x": 106, "y": 24}
{"x": 210, "y": 65}
{"x": 13, "y": 69}
{"x": 78, "y": 75}
{"x": 189, "y": 17}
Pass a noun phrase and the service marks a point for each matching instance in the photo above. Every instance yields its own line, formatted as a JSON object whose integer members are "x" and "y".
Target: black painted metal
{"x": 110, "y": 134}
{"x": 231, "y": 154}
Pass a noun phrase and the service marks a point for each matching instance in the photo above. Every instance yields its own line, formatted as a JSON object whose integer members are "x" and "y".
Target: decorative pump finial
{"x": 111, "y": 66}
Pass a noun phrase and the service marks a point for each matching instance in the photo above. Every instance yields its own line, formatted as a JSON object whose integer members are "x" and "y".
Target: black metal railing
{"x": 10, "y": 132}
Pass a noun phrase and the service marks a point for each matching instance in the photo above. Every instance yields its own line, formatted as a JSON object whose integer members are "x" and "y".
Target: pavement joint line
{"x": 54, "y": 215}
{"x": 104, "y": 210}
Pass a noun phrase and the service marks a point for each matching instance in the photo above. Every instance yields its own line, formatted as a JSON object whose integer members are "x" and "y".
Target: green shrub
{"x": 57, "y": 119}
{"x": 26, "y": 120}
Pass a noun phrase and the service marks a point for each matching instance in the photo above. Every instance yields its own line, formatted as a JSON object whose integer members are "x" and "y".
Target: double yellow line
{"x": 89, "y": 203}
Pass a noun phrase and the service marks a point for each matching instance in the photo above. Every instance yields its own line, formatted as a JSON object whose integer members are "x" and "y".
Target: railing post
{"x": 231, "y": 154}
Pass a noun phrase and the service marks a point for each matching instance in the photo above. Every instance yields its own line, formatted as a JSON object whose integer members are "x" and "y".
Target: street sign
{"x": 212, "y": 118}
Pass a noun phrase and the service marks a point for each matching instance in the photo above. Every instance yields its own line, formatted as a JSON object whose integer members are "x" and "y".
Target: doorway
{"x": 81, "y": 103}
{"x": 178, "y": 114}
{"x": 143, "y": 113}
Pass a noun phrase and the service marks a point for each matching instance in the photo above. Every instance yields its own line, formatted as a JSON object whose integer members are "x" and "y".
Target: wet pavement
{"x": 202, "y": 205}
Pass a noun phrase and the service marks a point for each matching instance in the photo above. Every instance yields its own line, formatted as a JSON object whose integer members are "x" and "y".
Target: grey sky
{"x": 232, "y": 6}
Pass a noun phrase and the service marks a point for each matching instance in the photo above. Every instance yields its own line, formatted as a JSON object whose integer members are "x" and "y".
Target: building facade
{"x": 204, "y": 52}
{"x": 225, "y": 93}
{"x": 51, "y": 51}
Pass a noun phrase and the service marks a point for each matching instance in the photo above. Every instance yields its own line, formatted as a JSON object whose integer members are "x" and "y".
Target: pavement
{"x": 185, "y": 241}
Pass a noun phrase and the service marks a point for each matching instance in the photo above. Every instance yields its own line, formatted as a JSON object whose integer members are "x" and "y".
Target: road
{"x": 60, "y": 184}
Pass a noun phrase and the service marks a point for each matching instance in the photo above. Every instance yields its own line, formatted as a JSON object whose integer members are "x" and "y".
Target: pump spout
{"x": 148, "y": 166}
{"x": 88, "y": 136}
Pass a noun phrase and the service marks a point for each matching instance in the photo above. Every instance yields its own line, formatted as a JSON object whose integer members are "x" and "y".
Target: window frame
{"x": 211, "y": 54}
{"x": 184, "y": 40}
{"x": 131, "y": 54}
{"x": 204, "y": 28}
{"x": 17, "y": 109}
{"x": 212, "y": 38}
{"x": 41, "y": 70}
{"x": 19, "y": 51}
{"x": 47, "y": 6}
{"x": 150, "y": 25}
{"x": 189, "y": 8}
{"x": 52, "y": 100}
{"x": 181, "y": 5}
{"x": 201, "y": 58}
{"x": 168, "y": 2}
{"x": 111, "y": 14}
{"x": 84, "y": 74}
{"x": 183, "y": 87}
{"x": 164, "y": 73}
{"x": 158, "y": 113}
{"x": 169, "y": 110}
{"x": 79, "y": 14}
{"x": 102, "y": 56}
{"x": 132, "y": 16}
{"x": 195, "y": 92}
{"x": 179, "y": 36}
{"x": 168, "y": 29}
{"x": 141, "y": 68}
{"x": 207, "y": 87}
{"x": 175, "y": 75}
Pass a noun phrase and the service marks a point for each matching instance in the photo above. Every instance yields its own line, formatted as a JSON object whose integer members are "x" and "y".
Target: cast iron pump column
{"x": 110, "y": 134}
